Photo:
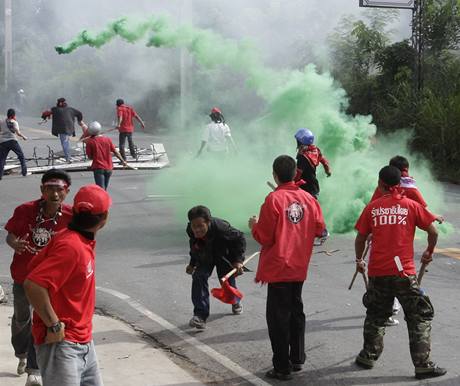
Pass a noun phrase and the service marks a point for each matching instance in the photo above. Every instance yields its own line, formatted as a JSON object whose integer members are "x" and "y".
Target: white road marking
{"x": 223, "y": 360}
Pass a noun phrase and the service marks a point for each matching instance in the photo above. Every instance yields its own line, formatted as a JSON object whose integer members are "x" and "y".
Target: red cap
{"x": 216, "y": 110}
{"x": 92, "y": 199}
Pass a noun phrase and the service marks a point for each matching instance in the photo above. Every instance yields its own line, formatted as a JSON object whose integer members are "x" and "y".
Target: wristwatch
{"x": 55, "y": 328}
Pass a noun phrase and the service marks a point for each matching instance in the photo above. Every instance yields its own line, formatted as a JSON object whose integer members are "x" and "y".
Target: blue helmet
{"x": 305, "y": 137}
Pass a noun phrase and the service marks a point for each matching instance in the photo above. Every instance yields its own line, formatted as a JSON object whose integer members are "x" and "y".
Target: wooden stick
{"x": 226, "y": 277}
{"x": 271, "y": 185}
{"x": 363, "y": 256}
{"x": 366, "y": 283}
{"x": 421, "y": 273}
{"x": 353, "y": 279}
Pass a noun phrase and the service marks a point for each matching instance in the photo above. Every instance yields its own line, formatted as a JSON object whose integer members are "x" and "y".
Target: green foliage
{"x": 379, "y": 79}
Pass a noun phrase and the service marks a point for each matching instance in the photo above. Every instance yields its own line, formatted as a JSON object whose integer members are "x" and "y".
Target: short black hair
{"x": 10, "y": 113}
{"x": 86, "y": 220}
{"x": 390, "y": 175}
{"x": 120, "y": 102}
{"x": 284, "y": 167}
{"x": 56, "y": 174}
{"x": 199, "y": 211}
{"x": 399, "y": 162}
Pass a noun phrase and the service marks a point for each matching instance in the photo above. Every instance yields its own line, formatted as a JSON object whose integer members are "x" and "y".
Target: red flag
{"x": 227, "y": 293}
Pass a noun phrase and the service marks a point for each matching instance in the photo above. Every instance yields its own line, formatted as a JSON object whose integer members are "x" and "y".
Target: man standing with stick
{"x": 288, "y": 223}
{"x": 392, "y": 220}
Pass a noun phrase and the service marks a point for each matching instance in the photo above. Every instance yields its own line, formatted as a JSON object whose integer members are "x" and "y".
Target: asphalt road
{"x": 141, "y": 259}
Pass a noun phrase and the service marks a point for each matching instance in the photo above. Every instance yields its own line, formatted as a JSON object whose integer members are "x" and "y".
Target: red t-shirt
{"x": 406, "y": 187}
{"x": 66, "y": 268}
{"x": 23, "y": 222}
{"x": 392, "y": 222}
{"x": 289, "y": 221}
{"x": 100, "y": 149}
{"x": 127, "y": 114}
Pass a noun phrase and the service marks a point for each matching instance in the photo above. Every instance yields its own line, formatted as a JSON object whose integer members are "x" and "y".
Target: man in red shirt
{"x": 100, "y": 149}
{"x": 30, "y": 229}
{"x": 392, "y": 220}
{"x": 61, "y": 288}
{"x": 288, "y": 223}
{"x": 407, "y": 187}
{"x": 125, "y": 126}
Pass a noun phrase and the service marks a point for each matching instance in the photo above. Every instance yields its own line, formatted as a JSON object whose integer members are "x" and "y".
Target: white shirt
{"x": 7, "y": 133}
{"x": 215, "y": 135}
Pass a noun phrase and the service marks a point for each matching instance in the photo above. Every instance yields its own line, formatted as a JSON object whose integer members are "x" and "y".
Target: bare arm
{"x": 360, "y": 245}
{"x": 138, "y": 118}
{"x": 39, "y": 299}
{"x": 19, "y": 134}
{"x": 232, "y": 144}
{"x": 203, "y": 144}
{"x": 432, "y": 239}
{"x": 19, "y": 244}
{"x": 118, "y": 155}
{"x": 17, "y": 131}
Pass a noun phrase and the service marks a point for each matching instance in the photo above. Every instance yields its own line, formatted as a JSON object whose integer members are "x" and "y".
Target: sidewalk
{"x": 124, "y": 358}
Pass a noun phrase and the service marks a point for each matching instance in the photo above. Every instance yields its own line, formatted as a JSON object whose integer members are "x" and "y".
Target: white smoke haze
{"x": 286, "y": 33}
{"x": 266, "y": 92}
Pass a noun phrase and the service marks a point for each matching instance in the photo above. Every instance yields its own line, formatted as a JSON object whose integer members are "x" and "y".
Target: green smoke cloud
{"x": 235, "y": 187}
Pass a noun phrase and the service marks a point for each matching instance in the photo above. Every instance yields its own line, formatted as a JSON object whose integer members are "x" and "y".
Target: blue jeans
{"x": 5, "y": 148}
{"x": 69, "y": 364}
{"x": 102, "y": 177}
{"x": 122, "y": 139}
{"x": 65, "y": 142}
{"x": 21, "y": 336}
{"x": 200, "y": 287}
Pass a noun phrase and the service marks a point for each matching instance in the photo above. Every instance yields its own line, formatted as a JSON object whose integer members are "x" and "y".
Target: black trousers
{"x": 286, "y": 324}
{"x": 122, "y": 139}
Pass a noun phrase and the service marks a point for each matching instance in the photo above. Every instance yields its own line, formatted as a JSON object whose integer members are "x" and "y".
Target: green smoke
{"x": 234, "y": 188}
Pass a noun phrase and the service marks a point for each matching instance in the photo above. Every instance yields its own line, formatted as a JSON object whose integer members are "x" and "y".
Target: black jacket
{"x": 221, "y": 241}
{"x": 64, "y": 120}
{"x": 308, "y": 175}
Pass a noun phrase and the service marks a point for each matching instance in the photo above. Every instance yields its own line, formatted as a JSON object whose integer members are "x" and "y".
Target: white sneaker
{"x": 3, "y": 297}
{"x": 237, "y": 308}
{"x": 390, "y": 322}
{"x": 396, "y": 307}
{"x": 34, "y": 380}
{"x": 21, "y": 366}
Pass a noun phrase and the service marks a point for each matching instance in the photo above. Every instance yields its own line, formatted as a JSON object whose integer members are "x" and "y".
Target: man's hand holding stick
{"x": 361, "y": 266}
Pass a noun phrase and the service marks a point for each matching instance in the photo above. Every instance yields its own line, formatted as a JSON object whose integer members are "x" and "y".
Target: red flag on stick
{"x": 227, "y": 293}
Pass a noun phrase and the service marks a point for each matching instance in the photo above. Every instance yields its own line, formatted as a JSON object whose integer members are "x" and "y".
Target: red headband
{"x": 56, "y": 182}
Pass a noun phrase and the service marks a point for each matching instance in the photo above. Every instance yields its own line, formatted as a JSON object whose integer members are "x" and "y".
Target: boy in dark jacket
{"x": 213, "y": 243}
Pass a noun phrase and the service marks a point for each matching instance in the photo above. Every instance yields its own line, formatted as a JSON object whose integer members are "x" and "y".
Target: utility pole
{"x": 185, "y": 63}
{"x": 417, "y": 31}
{"x": 417, "y": 43}
{"x": 8, "y": 44}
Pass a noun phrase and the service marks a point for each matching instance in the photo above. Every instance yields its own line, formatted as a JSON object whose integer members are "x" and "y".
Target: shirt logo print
{"x": 295, "y": 212}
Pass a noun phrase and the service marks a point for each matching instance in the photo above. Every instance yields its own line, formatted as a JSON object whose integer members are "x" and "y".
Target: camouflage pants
{"x": 418, "y": 312}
